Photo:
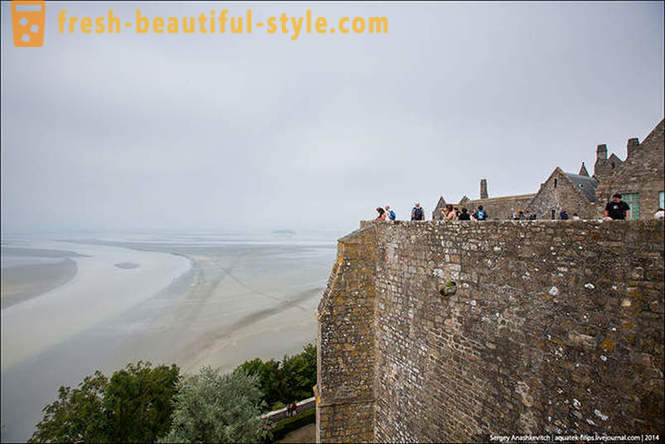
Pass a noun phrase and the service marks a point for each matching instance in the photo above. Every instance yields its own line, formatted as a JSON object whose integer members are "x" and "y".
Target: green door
{"x": 633, "y": 201}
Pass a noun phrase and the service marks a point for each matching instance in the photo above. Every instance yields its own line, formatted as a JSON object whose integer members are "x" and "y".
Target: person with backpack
{"x": 417, "y": 212}
{"x": 382, "y": 214}
{"x": 391, "y": 214}
{"x": 464, "y": 215}
{"x": 481, "y": 214}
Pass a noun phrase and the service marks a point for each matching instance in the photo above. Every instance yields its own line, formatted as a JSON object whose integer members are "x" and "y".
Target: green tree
{"x": 287, "y": 380}
{"x": 135, "y": 405}
{"x": 210, "y": 407}
{"x": 77, "y": 415}
{"x": 299, "y": 373}
{"x": 270, "y": 380}
{"x": 139, "y": 402}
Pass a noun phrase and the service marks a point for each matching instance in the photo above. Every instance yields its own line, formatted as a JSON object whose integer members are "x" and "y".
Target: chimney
{"x": 632, "y": 146}
{"x": 483, "y": 188}
{"x": 601, "y": 152}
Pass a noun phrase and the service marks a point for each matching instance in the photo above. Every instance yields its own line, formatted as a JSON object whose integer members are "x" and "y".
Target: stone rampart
{"x": 453, "y": 332}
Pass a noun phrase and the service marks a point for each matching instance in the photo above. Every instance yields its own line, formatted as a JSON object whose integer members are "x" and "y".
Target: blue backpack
{"x": 391, "y": 215}
{"x": 481, "y": 215}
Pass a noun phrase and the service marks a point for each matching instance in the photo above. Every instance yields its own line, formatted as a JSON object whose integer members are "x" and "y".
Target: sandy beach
{"x": 192, "y": 303}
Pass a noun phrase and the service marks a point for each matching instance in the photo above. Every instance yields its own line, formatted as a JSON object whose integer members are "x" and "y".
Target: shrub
{"x": 211, "y": 407}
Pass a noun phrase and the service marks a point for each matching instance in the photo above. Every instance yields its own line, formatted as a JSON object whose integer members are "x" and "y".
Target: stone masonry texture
{"x": 439, "y": 332}
{"x": 346, "y": 343}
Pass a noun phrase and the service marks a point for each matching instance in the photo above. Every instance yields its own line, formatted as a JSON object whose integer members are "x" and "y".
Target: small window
{"x": 555, "y": 182}
{"x": 612, "y": 165}
{"x": 581, "y": 185}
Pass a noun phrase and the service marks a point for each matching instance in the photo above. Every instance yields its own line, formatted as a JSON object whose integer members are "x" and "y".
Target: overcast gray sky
{"x": 201, "y": 132}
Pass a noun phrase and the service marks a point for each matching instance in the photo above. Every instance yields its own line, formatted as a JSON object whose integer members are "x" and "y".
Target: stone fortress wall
{"x": 549, "y": 327}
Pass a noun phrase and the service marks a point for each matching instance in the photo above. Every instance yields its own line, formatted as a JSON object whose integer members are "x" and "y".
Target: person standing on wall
{"x": 617, "y": 209}
{"x": 449, "y": 214}
{"x": 391, "y": 214}
{"x": 481, "y": 214}
{"x": 417, "y": 212}
{"x": 464, "y": 215}
{"x": 382, "y": 214}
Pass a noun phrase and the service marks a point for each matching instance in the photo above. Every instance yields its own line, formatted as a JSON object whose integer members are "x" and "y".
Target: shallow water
{"x": 193, "y": 303}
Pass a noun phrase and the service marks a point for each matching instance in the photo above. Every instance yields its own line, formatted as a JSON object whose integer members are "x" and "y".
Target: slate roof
{"x": 586, "y": 184}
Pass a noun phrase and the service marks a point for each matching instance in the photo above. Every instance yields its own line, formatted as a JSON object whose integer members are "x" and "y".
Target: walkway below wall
{"x": 301, "y": 406}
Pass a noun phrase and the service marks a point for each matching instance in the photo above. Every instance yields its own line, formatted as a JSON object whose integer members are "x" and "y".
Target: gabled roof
{"x": 585, "y": 184}
{"x": 583, "y": 171}
{"x": 617, "y": 161}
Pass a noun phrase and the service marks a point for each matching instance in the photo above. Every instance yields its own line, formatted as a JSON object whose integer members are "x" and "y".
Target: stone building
{"x": 605, "y": 167}
{"x": 436, "y": 214}
{"x": 498, "y": 207}
{"x": 574, "y": 193}
{"x": 639, "y": 179}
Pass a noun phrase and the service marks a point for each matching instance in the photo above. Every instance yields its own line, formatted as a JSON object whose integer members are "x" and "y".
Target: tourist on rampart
{"x": 513, "y": 214}
{"x": 464, "y": 215}
{"x": 417, "y": 212}
{"x": 449, "y": 213}
{"x": 576, "y": 217}
{"x": 563, "y": 215}
{"x": 480, "y": 214}
{"x": 520, "y": 215}
{"x": 294, "y": 409}
{"x": 391, "y": 214}
{"x": 659, "y": 214}
{"x": 382, "y": 214}
{"x": 617, "y": 209}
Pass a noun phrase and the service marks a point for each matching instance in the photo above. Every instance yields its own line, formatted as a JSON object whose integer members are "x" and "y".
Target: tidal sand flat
{"x": 238, "y": 300}
{"x": 29, "y": 272}
{"x": 23, "y": 282}
{"x": 99, "y": 290}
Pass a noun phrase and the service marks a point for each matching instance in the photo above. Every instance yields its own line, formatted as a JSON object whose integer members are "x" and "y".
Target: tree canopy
{"x": 135, "y": 405}
{"x": 211, "y": 407}
{"x": 285, "y": 381}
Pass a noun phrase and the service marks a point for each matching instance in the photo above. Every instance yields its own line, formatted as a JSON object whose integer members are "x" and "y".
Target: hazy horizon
{"x": 255, "y": 132}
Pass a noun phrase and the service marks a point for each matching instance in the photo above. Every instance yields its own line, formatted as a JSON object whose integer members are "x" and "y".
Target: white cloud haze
{"x": 190, "y": 132}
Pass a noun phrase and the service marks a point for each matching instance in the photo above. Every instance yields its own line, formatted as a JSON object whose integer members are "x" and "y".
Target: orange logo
{"x": 28, "y": 22}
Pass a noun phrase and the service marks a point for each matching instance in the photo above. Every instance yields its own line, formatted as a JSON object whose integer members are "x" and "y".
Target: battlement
{"x": 433, "y": 331}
